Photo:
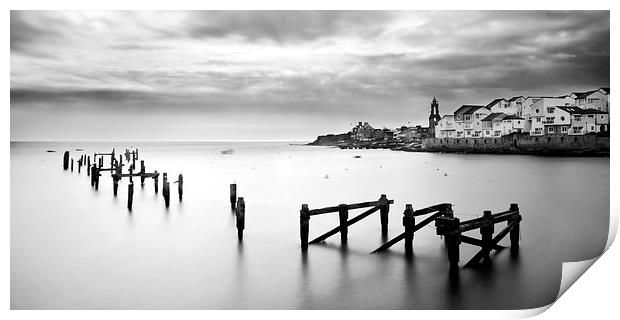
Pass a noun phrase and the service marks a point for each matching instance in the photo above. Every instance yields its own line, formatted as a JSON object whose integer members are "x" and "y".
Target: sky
{"x": 284, "y": 75}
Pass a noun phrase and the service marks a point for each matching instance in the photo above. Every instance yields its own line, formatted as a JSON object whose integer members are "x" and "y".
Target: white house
{"x": 584, "y": 121}
{"x": 468, "y": 120}
{"x": 446, "y": 127}
{"x": 512, "y": 124}
{"x": 492, "y": 125}
{"x": 543, "y": 112}
{"x": 595, "y": 99}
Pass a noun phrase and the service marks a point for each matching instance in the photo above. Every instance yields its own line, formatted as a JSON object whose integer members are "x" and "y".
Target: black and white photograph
{"x": 306, "y": 159}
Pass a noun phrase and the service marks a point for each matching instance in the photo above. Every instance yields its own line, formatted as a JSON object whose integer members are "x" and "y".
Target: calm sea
{"x": 76, "y": 248}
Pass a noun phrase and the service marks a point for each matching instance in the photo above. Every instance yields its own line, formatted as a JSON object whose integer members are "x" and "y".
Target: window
{"x": 538, "y": 119}
{"x": 537, "y": 111}
{"x": 590, "y": 116}
{"x": 562, "y": 118}
{"x": 564, "y": 129}
{"x": 591, "y": 128}
{"x": 550, "y": 130}
{"x": 518, "y": 121}
{"x": 467, "y": 118}
{"x": 550, "y": 109}
{"x": 577, "y": 118}
{"x": 477, "y": 116}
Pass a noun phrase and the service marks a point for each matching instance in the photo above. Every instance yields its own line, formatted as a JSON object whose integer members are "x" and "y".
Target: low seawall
{"x": 522, "y": 144}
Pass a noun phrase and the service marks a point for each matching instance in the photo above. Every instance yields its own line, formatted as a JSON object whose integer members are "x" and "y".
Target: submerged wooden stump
{"x": 65, "y": 160}
{"x": 130, "y": 196}
{"x": 240, "y": 213}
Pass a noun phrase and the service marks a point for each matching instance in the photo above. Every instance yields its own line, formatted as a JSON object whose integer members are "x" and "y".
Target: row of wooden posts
{"x": 448, "y": 226}
{"x": 95, "y": 169}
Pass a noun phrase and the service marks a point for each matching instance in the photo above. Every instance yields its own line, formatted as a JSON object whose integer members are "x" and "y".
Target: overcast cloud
{"x": 284, "y": 74}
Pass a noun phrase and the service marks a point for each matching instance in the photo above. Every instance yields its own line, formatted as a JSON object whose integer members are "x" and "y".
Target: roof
{"x": 515, "y": 98}
{"x": 512, "y": 117}
{"x": 495, "y": 115}
{"x": 577, "y": 110}
{"x": 447, "y": 116}
{"x": 488, "y": 106}
{"x": 580, "y": 95}
{"x": 606, "y": 89}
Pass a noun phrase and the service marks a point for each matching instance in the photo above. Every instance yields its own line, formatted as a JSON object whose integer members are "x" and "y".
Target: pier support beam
{"x": 180, "y": 182}
{"x": 343, "y": 215}
{"x": 130, "y": 196}
{"x": 487, "y": 236}
{"x": 166, "y": 190}
{"x": 240, "y": 212}
{"x": 65, "y": 160}
{"x": 409, "y": 224}
{"x": 304, "y": 226}
{"x": 384, "y": 211}
{"x": 233, "y": 195}
{"x": 515, "y": 231}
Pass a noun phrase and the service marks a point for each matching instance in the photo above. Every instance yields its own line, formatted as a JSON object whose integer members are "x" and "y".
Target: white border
{"x": 595, "y": 293}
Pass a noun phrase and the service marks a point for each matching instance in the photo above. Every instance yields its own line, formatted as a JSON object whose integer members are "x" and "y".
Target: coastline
{"x": 546, "y": 145}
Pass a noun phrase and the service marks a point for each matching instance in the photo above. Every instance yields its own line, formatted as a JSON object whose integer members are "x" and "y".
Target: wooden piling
{"x": 384, "y": 211}
{"x": 515, "y": 231}
{"x": 92, "y": 175}
{"x": 65, "y": 160}
{"x": 97, "y": 175}
{"x": 130, "y": 174}
{"x": 71, "y": 164}
{"x": 487, "y": 235}
{"x": 130, "y": 196}
{"x": 240, "y": 213}
{"x": 180, "y": 182}
{"x": 100, "y": 162}
{"x": 447, "y": 212}
{"x": 133, "y": 159}
{"x": 115, "y": 184}
{"x": 343, "y": 215}
{"x": 80, "y": 165}
{"x": 304, "y": 226}
{"x": 88, "y": 171}
{"x": 233, "y": 195}
{"x": 409, "y": 224}
{"x": 453, "y": 241}
{"x": 142, "y": 171}
{"x": 156, "y": 181}
{"x": 166, "y": 190}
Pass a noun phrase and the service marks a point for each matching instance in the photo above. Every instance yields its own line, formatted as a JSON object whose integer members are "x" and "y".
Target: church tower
{"x": 434, "y": 118}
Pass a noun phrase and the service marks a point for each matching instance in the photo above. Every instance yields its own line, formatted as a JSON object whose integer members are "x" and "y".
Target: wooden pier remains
{"x": 65, "y": 160}
{"x": 233, "y": 195}
{"x": 305, "y": 213}
{"x": 438, "y": 210}
{"x": 453, "y": 229}
{"x": 240, "y": 215}
{"x": 166, "y": 190}
{"x": 180, "y": 187}
{"x": 130, "y": 196}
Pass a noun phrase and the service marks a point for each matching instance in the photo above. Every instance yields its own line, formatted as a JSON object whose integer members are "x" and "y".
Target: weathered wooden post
{"x": 156, "y": 181}
{"x": 112, "y": 158}
{"x": 166, "y": 190}
{"x": 385, "y": 210}
{"x": 100, "y": 162}
{"x": 130, "y": 174}
{"x": 304, "y": 226}
{"x": 233, "y": 195}
{"x": 453, "y": 240}
{"x": 127, "y": 154}
{"x": 88, "y": 171}
{"x": 137, "y": 156}
{"x": 80, "y": 165}
{"x": 65, "y": 160}
{"x": 115, "y": 179}
{"x": 343, "y": 215}
{"x": 97, "y": 175}
{"x": 130, "y": 196}
{"x": 133, "y": 159}
{"x": 409, "y": 224}
{"x": 240, "y": 212}
{"x": 92, "y": 175}
{"x": 180, "y": 182}
{"x": 71, "y": 164}
{"x": 447, "y": 212}
{"x": 515, "y": 231}
{"x": 487, "y": 235}
{"x": 142, "y": 171}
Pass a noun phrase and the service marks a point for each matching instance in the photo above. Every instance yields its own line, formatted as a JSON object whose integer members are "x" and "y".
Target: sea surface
{"x": 73, "y": 247}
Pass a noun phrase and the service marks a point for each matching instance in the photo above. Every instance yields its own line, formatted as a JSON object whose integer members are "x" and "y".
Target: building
{"x": 584, "y": 121}
{"x": 595, "y": 99}
{"x": 468, "y": 120}
{"x": 492, "y": 125}
{"x": 445, "y": 127}
{"x": 543, "y": 113}
{"x": 512, "y": 124}
{"x": 362, "y": 132}
{"x": 434, "y": 117}
{"x": 498, "y": 105}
